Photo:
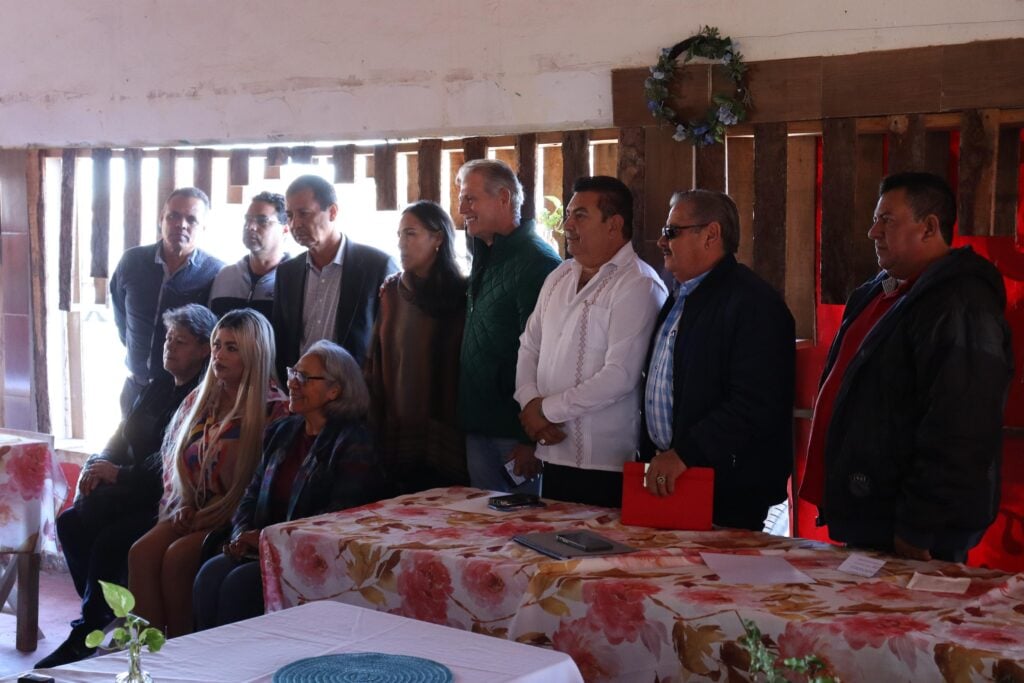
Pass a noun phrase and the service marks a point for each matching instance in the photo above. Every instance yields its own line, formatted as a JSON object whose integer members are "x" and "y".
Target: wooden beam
{"x": 937, "y": 153}
{"x": 100, "y": 212}
{"x": 801, "y": 179}
{"x": 770, "y": 203}
{"x": 985, "y": 73}
{"x": 67, "y": 229}
{"x": 303, "y": 154}
{"x": 37, "y": 268}
{"x": 908, "y": 144}
{"x": 838, "y": 186}
{"x": 575, "y": 160}
{"x": 1007, "y": 181}
{"x": 976, "y": 194}
{"x": 899, "y": 82}
{"x": 474, "y": 148}
{"x": 344, "y": 157}
{"x": 202, "y": 170}
{"x": 276, "y": 158}
{"x": 740, "y": 186}
{"x": 412, "y": 177}
{"x": 630, "y": 169}
{"x": 385, "y": 177}
{"x": 526, "y": 171}
{"x": 428, "y": 169}
{"x": 132, "y": 197}
{"x": 167, "y": 181}
{"x": 238, "y": 167}
{"x": 709, "y": 167}
{"x": 870, "y": 169}
{"x": 669, "y": 168}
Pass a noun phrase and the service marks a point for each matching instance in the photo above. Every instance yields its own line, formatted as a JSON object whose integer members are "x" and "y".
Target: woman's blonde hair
{"x": 255, "y": 340}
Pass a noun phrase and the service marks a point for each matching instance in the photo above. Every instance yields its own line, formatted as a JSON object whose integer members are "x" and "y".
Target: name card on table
{"x": 859, "y": 564}
{"x": 939, "y": 584}
{"x": 688, "y": 508}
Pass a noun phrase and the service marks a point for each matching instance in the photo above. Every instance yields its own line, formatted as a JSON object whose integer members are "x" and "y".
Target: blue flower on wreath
{"x": 653, "y": 106}
{"x": 726, "y": 116}
{"x": 680, "y": 133}
{"x": 708, "y": 138}
{"x": 700, "y": 130}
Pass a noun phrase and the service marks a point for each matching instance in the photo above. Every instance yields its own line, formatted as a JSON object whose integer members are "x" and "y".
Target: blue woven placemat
{"x": 364, "y": 667}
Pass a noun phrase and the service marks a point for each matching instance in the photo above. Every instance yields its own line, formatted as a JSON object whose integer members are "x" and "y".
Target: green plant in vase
{"x": 135, "y": 633}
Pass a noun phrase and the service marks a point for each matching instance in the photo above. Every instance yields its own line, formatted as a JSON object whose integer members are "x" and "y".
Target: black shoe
{"x": 71, "y": 650}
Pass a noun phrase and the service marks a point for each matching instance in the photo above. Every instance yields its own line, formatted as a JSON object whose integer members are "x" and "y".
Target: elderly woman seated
{"x": 318, "y": 460}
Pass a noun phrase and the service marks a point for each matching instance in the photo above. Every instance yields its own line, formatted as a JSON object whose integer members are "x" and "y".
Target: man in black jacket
{"x": 718, "y": 391}
{"x": 906, "y": 436}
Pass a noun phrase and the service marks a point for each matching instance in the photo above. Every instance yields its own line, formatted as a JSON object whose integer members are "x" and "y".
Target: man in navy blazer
{"x": 331, "y": 291}
{"x": 718, "y": 391}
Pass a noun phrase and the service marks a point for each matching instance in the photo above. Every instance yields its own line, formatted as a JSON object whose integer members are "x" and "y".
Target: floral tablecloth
{"x": 32, "y": 488}
{"x": 657, "y": 614}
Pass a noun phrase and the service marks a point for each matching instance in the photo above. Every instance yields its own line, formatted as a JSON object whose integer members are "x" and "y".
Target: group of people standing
{"x": 530, "y": 374}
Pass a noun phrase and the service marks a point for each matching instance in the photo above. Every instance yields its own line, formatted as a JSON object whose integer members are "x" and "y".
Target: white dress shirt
{"x": 584, "y": 351}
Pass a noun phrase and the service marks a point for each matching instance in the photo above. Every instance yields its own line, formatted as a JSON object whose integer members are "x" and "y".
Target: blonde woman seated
{"x": 214, "y": 445}
{"x": 318, "y": 460}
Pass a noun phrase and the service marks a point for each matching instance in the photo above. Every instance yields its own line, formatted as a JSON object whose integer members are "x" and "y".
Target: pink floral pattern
{"x": 656, "y": 614}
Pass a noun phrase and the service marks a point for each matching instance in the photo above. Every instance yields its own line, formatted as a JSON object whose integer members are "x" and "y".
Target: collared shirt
{"x": 320, "y": 303}
{"x": 583, "y": 352}
{"x": 658, "y": 399}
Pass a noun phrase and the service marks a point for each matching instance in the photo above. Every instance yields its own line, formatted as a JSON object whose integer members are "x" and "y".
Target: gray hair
{"x": 497, "y": 176}
{"x": 714, "y": 207}
{"x": 341, "y": 368}
{"x": 198, "y": 320}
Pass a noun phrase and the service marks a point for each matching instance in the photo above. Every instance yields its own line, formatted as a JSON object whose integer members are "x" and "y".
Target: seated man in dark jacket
{"x": 906, "y": 437}
{"x": 120, "y": 488}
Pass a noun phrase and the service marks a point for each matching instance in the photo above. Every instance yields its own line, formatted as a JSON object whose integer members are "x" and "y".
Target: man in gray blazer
{"x": 331, "y": 291}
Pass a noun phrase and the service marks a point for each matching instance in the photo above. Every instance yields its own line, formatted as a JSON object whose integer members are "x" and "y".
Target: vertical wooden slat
{"x": 575, "y": 160}
{"x": 67, "y": 228}
{"x": 344, "y": 157}
{"x": 839, "y": 148}
{"x": 474, "y": 148}
{"x": 37, "y": 267}
{"x": 669, "y": 170}
{"x": 937, "y": 153}
{"x": 908, "y": 144}
{"x": 455, "y": 161}
{"x": 709, "y": 167}
{"x": 606, "y": 158}
{"x": 869, "y": 173}
{"x": 132, "y": 198}
{"x": 428, "y": 169}
{"x": 303, "y": 154}
{"x": 385, "y": 177}
{"x": 202, "y": 170}
{"x": 769, "y": 228}
{"x": 412, "y": 177}
{"x": 976, "y": 194}
{"x": 100, "y": 212}
{"x": 526, "y": 171}
{"x": 168, "y": 181}
{"x": 630, "y": 169}
{"x": 740, "y": 186}
{"x": 238, "y": 167}
{"x": 801, "y": 177}
{"x": 1007, "y": 179}
{"x": 369, "y": 165}
{"x": 276, "y": 158}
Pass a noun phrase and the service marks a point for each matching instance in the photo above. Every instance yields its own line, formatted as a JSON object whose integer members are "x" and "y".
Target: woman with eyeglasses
{"x": 317, "y": 460}
{"x": 413, "y": 364}
{"x": 214, "y": 446}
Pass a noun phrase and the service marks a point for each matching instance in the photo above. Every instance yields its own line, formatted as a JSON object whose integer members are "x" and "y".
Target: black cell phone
{"x": 515, "y": 501}
{"x": 584, "y": 540}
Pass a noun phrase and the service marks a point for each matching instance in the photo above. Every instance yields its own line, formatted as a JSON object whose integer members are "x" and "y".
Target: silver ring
{"x": 542, "y": 442}
{"x": 660, "y": 479}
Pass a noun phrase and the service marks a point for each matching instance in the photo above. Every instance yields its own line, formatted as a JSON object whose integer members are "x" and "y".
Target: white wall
{"x": 129, "y": 72}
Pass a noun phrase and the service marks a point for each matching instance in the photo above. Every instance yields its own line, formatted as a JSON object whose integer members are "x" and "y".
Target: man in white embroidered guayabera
{"x": 580, "y": 357}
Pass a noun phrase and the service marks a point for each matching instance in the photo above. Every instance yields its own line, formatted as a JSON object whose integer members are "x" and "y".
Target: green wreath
{"x": 724, "y": 110}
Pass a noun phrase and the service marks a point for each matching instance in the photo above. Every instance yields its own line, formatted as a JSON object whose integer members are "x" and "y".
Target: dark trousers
{"x": 575, "y": 485}
{"x": 226, "y": 590}
{"x": 97, "y": 550}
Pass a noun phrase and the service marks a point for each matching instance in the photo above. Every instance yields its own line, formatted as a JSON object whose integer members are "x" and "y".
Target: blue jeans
{"x": 486, "y": 456}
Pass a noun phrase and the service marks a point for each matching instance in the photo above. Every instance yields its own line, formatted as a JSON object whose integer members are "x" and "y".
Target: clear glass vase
{"x": 134, "y": 674}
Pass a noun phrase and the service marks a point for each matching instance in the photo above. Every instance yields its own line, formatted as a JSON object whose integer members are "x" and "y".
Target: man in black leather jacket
{"x": 906, "y": 438}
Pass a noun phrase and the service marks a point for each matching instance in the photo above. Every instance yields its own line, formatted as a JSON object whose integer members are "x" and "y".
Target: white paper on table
{"x": 938, "y": 584}
{"x": 756, "y": 570}
{"x": 860, "y": 564}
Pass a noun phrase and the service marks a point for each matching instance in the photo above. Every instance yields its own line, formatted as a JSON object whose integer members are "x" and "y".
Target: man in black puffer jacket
{"x": 906, "y": 438}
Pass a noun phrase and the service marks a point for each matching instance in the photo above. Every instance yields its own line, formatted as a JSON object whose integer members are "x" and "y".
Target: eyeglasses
{"x": 300, "y": 377}
{"x": 262, "y": 222}
{"x": 670, "y": 232}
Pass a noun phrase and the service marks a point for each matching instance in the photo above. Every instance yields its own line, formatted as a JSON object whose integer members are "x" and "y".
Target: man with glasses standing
{"x": 155, "y": 278}
{"x": 718, "y": 391}
{"x": 250, "y": 282}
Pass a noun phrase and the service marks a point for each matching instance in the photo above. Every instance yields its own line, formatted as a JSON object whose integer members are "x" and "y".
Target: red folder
{"x": 689, "y": 507}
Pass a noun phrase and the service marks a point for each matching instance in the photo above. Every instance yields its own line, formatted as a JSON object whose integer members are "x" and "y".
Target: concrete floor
{"x": 58, "y": 605}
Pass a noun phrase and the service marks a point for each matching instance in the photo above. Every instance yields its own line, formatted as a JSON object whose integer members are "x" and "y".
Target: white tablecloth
{"x": 253, "y": 650}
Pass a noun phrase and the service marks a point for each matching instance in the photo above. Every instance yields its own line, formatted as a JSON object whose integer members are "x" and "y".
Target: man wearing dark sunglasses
{"x": 718, "y": 390}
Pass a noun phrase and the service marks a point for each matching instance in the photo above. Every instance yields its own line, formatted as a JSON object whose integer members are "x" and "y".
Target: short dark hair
{"x": 191, "y": 193}
{"x": 714, "y": 207}
{"x": 277, "y": 201}
{"x": 927, "y": 194}
{"x": 198, "y": 320}
{"x": 614, "y": 199}
{"x": 323, "y": 191}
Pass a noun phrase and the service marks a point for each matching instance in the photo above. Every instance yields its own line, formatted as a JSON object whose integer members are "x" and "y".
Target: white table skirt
{"x": 253, "y": 650}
